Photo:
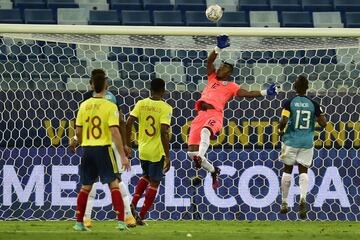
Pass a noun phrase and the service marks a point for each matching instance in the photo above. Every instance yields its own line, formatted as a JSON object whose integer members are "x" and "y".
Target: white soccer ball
{"x": 214, "y": 13}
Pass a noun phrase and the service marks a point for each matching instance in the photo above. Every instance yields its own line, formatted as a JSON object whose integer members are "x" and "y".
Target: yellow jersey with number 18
{"x": 151, "y": 114}
{"x": 96, "y": 116}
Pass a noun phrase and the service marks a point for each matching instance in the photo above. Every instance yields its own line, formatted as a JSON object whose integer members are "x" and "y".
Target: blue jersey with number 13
{"x": 301, "y": 112}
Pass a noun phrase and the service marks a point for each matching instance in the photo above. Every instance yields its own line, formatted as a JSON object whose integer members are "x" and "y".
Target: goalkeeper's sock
{"x": 90, "y": 203}
{"x": 303, "y": 182}
{"x": 139, "y": 190}
{"x": 285, "y": 186}
{"x": 118, "y": 203}
{"x": 126, "y": 198}
{"x": 149, "y": 199}
{"x": 206, "y": 165}
{"x": 81, "y": 204}
{"x": 204, "y": 142}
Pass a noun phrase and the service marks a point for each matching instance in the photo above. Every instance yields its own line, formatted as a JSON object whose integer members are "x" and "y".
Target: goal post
{"x": 44, "y": 72}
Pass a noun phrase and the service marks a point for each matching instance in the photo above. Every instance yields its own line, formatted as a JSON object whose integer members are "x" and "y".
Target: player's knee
{"x": 302, "y": 169}
{"x": 288, "y": 169}
{"x": 154, "y": 183}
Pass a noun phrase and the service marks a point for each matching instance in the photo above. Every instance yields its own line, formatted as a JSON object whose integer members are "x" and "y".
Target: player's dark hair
{"x": 98, "y": 80}
{"x": 96, "y": 72}
{"x": 229, "y": 64}
{"x": 157, "y": 85}
{"x": 301, "y": 84}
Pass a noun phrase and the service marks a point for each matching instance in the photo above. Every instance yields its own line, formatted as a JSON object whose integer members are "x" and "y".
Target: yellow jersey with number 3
{"x": 96, "y": 116}
{"x": 151, "y": 114}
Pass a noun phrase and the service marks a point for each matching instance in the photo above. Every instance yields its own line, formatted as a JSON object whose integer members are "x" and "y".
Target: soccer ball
{"x": 214, "y": 13}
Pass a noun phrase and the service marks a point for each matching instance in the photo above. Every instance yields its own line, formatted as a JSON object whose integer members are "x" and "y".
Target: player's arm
{"x": 223, "y": 41}
{"x": 165, "y": 121}
{"x": 166, "y": 145}
{"x": 74, "y": 141}
{"x": 320, "y": 115}
{"x": 117, "y": 139}
{"x": 122, "y": 128}
{"x": 321, "y": 120}
{"x": 285, "y": 114}
{"x": 77, "y": 139}
{"x": 129, "y": 125}
{"x": 270, "y": 91}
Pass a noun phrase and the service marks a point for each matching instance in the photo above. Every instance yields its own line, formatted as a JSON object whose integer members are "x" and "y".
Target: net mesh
{"x": 43, "y": 78}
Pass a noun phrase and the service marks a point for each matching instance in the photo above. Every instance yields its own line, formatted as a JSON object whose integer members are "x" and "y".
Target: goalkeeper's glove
{"x": 270, "y": 91}
{"x": 223, "y": 41}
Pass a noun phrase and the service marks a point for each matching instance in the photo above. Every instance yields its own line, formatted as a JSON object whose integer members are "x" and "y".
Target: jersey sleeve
{"x": 166, "y": 115}
{"x": 318, "y": 109}
{"x": 79, "y": 118}
{"x": 286, "y": 109}
{"x": 136, "y": 111}
{"x": 113, "y": 115}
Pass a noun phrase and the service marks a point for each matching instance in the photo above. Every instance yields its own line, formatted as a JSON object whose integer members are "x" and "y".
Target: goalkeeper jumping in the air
{"x": 129, "y": 218}
{"x": 299, "y": 115}
{"x": 210, "y": 108}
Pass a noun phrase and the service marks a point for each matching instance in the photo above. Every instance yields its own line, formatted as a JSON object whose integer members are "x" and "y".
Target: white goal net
{"x": 44, "y": 74}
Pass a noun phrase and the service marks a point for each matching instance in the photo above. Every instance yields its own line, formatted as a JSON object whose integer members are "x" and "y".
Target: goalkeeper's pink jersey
{"x": 217, "y": 93}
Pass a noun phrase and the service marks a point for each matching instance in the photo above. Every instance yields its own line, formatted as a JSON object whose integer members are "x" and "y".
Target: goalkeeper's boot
{"x": 215, "y": 178}
{"x": 130, "y": 221}
{"x": 197, "y": 161}
{"x": 302, "y": 208}
{"x": 284, "y": 208}
{"x": 87, "y": 222}
{"x": 122, "y": 226}
{"x": 80, "y": 227}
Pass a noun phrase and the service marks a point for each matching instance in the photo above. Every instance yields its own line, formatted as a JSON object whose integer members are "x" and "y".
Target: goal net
{"x": 44, "y": 72}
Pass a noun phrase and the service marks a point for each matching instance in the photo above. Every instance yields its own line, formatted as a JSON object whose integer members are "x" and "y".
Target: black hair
{"x": 98, "y": 80}
{"x": 96, "y": 72}
{"x": 229, "y": 64}
{"x": 157, "y": 85}
{"x": 301, "y": 84}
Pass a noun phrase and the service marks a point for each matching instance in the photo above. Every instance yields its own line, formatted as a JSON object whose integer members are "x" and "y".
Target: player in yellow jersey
{"x": 154, "y": 118}
{"x": 96, "y": 128}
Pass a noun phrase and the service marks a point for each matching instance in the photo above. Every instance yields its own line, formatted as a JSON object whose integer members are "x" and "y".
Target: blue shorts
{"x": 98, "y": 161}
{"x": 153, "y": 169}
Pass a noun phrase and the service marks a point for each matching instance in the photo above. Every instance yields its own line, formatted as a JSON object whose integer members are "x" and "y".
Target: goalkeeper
{"x": 210, "y": 108}
{"x": 129, "y": 218}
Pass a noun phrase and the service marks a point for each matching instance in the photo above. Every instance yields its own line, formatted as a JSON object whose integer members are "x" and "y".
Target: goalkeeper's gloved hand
{"x": 223, "y": 41}
{"x": 270, "y": 91}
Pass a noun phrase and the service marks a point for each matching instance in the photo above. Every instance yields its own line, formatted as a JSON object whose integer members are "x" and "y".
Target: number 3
{"x": 152, "y": 124}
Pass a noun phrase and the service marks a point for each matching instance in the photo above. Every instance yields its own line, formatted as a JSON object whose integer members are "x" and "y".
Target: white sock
{"x": 208, "y": 166}
{"x": 126, "y": 198}
{"x": 303, "y": 182}
{"x": 285, "y": 186}
{"x": 204, "y": 142}
{"x": 90, "y": 203}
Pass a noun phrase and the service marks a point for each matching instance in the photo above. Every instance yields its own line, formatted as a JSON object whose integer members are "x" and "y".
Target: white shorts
{"x": 291, "y": 156}
{"x": 117, "y": 158}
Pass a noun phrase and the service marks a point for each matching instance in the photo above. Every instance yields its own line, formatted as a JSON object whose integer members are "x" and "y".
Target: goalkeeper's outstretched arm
{"x": 270, "y": 91}
{"x": 210, "y": 62}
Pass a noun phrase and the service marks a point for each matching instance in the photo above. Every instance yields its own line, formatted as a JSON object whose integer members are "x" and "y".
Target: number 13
{"x": 305, "y": 119}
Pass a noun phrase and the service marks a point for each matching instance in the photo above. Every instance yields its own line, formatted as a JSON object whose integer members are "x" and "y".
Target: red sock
{"x": 149, "y": 199}
{"x": 139, "y": 190}
{"x": 81, "y": 204}
{"x": 118, "y": 203}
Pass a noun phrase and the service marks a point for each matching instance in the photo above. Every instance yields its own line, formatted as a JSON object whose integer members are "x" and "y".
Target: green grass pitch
{"x": 199, "y": 230}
